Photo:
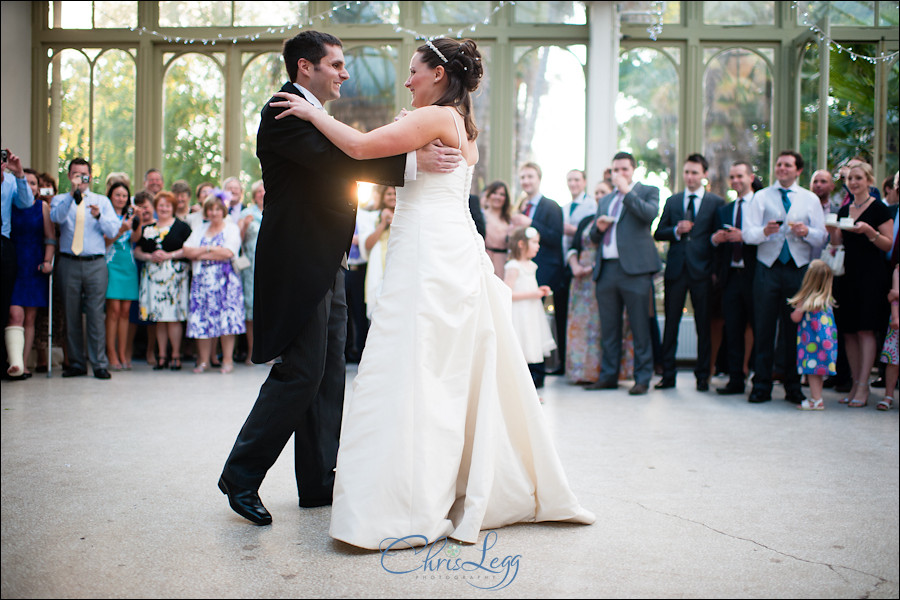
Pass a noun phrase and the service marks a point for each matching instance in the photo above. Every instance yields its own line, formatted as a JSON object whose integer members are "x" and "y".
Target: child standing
{"x": 528, "y": 317}
{"x": 890, "y": 353}
{"x": 817, "y": 334}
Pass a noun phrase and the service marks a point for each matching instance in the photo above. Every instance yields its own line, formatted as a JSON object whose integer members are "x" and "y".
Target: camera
{"x": 85, "y": 179}
{"x": 46, "y": 191}
{"x": 129, "y": 212}
{"x": 5, "y": 153}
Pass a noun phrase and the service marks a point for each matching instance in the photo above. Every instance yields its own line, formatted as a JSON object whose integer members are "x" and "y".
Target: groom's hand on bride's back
{"x": 438, "y": 158}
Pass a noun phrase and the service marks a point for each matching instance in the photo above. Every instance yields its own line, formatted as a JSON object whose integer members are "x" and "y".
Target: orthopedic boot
{"x": 15, "y": 346}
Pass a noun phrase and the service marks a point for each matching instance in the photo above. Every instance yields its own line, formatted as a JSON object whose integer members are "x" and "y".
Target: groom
{"x": 301, "y": 310}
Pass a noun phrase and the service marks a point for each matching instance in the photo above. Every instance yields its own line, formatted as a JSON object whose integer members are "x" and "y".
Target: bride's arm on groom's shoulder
{"x": 413, "y": 131}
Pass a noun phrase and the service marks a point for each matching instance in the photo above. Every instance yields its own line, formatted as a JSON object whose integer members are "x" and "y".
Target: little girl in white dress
{"x": 528, "y": 317}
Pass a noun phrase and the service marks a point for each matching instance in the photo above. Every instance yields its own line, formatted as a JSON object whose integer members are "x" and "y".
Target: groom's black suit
{"x": 300, "y": 312}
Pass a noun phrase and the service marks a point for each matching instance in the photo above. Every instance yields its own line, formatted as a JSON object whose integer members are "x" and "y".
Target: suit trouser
{"x": 617, "y": 290}
{"x": 772, "y": 288}
{"x": 303, "y": 396}
{"x": 561, "y": 317}
{"x": 676, "y": 294}
{"x": 83, "y": 282}
{"x": 358, "y": 324}
{"x": 7, "y": 281}
{"x": 737, "y": 307}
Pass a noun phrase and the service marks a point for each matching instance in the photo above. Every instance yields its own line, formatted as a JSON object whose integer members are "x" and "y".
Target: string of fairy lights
{"x": 805, "y": 17}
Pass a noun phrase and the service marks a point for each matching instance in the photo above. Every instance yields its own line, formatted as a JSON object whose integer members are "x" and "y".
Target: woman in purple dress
{"x": 217, "y": 297}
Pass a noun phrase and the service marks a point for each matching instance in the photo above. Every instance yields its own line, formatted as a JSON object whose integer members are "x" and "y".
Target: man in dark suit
{"x": 301, "y": 312}
{"x": 546, "y": 216}
{"x": 735, "y": 267}
{"x": 626, "y": 262}
{"x": 687, "y": 224}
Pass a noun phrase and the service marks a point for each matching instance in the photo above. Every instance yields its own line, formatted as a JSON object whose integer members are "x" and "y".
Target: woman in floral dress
{"x": 164, "y": 278}
{"x": 217, "y": 296}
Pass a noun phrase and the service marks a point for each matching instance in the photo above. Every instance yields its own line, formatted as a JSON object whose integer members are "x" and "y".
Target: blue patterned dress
{"x": 217, "y": 297}
{"x": 817, "y": 343}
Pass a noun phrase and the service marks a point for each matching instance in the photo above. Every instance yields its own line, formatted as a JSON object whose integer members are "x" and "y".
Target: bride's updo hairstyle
{"x": 462, "y": 64}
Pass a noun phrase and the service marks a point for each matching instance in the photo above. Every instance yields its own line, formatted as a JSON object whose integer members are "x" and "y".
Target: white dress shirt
{"x": 612, "y": 250}
{"x": 767, "y": 206}
{"x": 580, "y": 207}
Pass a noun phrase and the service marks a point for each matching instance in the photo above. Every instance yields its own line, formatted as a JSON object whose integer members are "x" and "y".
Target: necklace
{"x": 858, "y": 205}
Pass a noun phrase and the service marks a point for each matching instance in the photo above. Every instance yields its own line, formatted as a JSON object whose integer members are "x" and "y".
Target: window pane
{"x": 809, "y": 111}
{"x": 637, "y": 12}
{"x": 270, "y": 13}
{"x": 71, "y": 15}
{"x": 647, "y": 113}
{"x": 377, "y": 11}
{"x": 851, "y": 106}
{"x": 454, "y": 13}
{"x": 193, "y": 101}
{"x": 892, "y": 119}
{"x": 115, "y": 14}
{"x": 841, "y": 12}
{"x": 889, "y": 14}
{"x": 194, "y": 14}
{"x": 739, "y": 13}
{"x": 70, "y": 101}
{"x": 550, "y": 115}
{"x": 263, "y": 77}
{"x": 569, "y": 13}
{"x": 367, "y": 98}
{"x": 737, "y": 115}
{"x": 114, "y": 96}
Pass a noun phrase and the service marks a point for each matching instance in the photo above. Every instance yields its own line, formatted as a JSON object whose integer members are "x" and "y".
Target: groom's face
{"x": 325, "y": 78}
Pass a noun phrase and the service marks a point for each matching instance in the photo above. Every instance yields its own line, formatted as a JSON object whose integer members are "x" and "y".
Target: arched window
{"x": 193, "y": 108}
{"x": 737, "y": 114}
{"x": 550, "y": 114}
{"x": 647, "y": 113}
{"x": 264, "y": 74}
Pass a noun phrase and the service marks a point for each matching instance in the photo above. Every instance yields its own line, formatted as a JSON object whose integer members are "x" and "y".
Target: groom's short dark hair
{"x": 308, "y": 44}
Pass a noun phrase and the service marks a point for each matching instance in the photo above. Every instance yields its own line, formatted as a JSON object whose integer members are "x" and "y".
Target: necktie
{"x": 737, "y": 250}
{"x": 78, "y": 236}
{"x": 613, "y": 212}
{"x": 572, "y": 208}
{"x": 785, "y": 256}
{"x": 690, "y": 208}
{"x": 528, "y": 208}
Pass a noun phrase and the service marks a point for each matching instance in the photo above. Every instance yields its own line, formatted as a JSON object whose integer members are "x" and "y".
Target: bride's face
{"x": 424, "y": 83}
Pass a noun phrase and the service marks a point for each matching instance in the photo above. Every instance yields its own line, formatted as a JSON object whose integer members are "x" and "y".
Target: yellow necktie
{"x": 78, "y": 237}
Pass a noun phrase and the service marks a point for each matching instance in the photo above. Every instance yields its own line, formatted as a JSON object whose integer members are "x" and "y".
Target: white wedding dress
{"x": 443, "y": 434}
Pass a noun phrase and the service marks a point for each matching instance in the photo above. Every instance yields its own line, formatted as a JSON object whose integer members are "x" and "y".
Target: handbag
{"x": 833, "y": 256}
{"x": 239, "y": 263}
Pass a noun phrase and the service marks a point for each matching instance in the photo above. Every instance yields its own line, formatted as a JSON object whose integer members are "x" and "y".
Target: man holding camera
{"x": 15, "y": 191}
{"x": 84, "y": 218}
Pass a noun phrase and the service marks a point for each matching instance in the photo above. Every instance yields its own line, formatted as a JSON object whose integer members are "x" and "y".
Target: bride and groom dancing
{"x": 443, "y": 434}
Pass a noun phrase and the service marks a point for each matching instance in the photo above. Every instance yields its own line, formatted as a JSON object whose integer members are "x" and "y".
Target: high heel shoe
{"x": 176, "y": 363}
{"x": 161, "y": 363}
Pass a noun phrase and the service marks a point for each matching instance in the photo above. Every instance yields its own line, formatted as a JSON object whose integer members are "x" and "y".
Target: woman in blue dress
{"x": 122, "y": 288}
{"x": 35, "y": 240}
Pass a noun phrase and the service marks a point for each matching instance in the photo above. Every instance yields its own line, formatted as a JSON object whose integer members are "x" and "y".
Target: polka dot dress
{"x": 817, "y": 343}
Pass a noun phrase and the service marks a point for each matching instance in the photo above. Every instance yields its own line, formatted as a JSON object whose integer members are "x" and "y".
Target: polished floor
{"x": 109, "y": 490}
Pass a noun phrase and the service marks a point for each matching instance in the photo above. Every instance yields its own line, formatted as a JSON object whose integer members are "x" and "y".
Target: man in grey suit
{"x": 626, "y": 263}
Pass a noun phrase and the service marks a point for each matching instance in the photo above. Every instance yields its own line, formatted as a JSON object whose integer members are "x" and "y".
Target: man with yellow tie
{"x": 84, "y": 218}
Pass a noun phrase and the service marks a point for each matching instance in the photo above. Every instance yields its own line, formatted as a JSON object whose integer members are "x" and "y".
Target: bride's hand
{"x": 403, "y": 112}
{"x": 295, "y": 105}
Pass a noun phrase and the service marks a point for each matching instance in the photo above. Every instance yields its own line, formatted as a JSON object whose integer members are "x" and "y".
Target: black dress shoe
{"x": 562, "y": 371}
{"x": 731, "y": 388}
{"x": 666, "y": 383}
{"x": 794, "y": 396}
{"x": 74, "y": 372}
{"x": 602, "y": 385}
{"x": 102, "y": 374}
{"x": 245, "y": 503}
{"x": 314, "y": 502}
{"x": 757, "y": 397}
{"x": 639, "y": 389}
{"x": 703, "y": 385}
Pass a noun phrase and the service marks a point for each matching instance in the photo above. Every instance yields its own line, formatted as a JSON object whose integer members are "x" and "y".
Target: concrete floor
{"x": 109, "y": 490}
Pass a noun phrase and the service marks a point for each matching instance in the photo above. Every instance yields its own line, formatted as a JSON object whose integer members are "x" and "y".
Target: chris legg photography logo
{"x": 444, "y": 559}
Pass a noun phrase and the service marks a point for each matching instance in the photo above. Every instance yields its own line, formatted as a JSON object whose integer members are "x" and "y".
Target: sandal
{"x": 810, "y": 404}
{"x": 201, "y": 368}
{"x": 161, "y": 363}
{"x": 885, "y": 404}
{"x": 844, "y": 400}
{"x": 176, "y": 363}
{"x": 227, "y": 367}
{"x": 854, "y": 403}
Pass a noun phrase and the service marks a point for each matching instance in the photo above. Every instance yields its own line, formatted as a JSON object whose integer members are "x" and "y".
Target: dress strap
{"x": 455, "y": 122}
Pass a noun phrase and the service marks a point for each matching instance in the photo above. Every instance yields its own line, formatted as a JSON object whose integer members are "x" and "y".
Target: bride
{"x": 443, "y": 434}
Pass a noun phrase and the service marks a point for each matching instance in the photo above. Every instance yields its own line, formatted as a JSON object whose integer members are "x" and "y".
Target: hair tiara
{"x": 436, "y": 51}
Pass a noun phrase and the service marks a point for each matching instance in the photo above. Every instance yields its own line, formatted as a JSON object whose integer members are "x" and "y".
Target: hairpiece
{"x": 436, "y": 51}
{"x": 531, "y": 232}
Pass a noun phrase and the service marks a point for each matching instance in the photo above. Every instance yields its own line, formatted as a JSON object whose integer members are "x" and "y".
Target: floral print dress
{"x": 217, "y": 296}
